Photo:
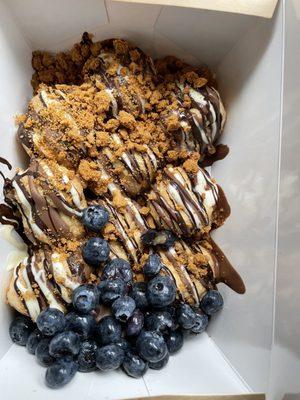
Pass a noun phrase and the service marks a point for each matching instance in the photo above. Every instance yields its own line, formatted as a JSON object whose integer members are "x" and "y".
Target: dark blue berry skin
{"x": 212, "y": 302}
{"x": 109, "y": 357}
{"x": 135, "y": 323}
{"x": 186, "y": 316}
{"x": 108, "y": 331}
{"x": 42, "y": 353}
{"x": 138, "y": 293}
{"x": 95, "y": 217}
{"x": 85, "y": 298}
{"x": 51, "y": 321}
{"x": 111, "y": 290}
{"x": 134, "y": 365}
{"x": 64, "y": 344}
{"x": 81, "y": 324}
{"x": 124, "y": 345}
{"x": 95, "y": 251}
{"x": 123, "y": 308}
{"x": 159, "y": 321}
{"x": 161, "y": 291}
{"x": 20, "y": 329}
{"x": 60, "y": 372}
{"x": 86, "y": 358}
{"x": 117, "y": 269}
{"x": 152, "y": 266}
{"x": 172, "y": 311}
{"x": 200, "y": 324}
{"x": 163, "y": 238}
{"x": 33, "y": 340}
{"x": 151, "y": 346}
{"x": 160, "y": 364}
{"x": 175, "y": 341}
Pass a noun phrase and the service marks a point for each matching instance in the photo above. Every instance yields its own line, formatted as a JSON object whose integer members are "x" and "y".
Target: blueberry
{"x": 20, "y": 329}
{"x": 81, "y": 324}
{"x": 200, "y": 324}
{"x": 109, "y": 357}
{"x": 85, "y": 298}
{"x": 159, "y": 321}
{"x": 65, "y": 344}
{"x": 111, "y": 290}
{"x": 51, "y": 321}
{"x": 123, "y": 308}
{"x": 95, "y": 217}
{"x": 117, "y": 269}
{"x": 161, "y": 238}
{"x": 95, "y": 251}
{"x": 212, "y": 302}
{"x": 161, "y": 291}
{"x": 33, "y": 340}
{"x": 42, "y": 353}
{"x": 108, "y": 331}
{"x": 151, "y": 346}
{"x": 160, "y": 364}
{"x": 86, "y": 358}
{"x": 175, "y": 341}
{"x": 171, "y": 310}
{"x": 135, "y": 323}
{"x": 124, "y": 345}
{"x": 186, "y": 316}
{"x": 134, "y": 365}
{"x": 60, "y": 372}
{"x": 152, "y": 266}
{"x": 138, "y": 293}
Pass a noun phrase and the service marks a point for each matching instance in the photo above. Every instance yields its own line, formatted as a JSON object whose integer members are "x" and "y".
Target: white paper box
{"x": 252, "y": 346}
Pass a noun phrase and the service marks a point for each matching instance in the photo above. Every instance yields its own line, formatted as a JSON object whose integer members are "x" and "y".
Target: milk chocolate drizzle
{"x": 224, "y": 271}
{"x": 47, "y": 207}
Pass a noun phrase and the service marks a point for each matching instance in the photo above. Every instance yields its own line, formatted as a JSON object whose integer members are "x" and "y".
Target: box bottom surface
{"x": 199, "y": 368}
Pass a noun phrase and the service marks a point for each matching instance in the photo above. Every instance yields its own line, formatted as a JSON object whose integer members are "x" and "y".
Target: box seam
{"x": 283, "y": 5}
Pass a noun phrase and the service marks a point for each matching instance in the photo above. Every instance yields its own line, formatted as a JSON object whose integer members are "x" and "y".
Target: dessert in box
{"x": 117, "y": 209}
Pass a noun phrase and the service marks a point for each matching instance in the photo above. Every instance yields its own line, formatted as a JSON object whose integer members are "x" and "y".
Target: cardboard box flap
{"x": 259, "y": 8}
{"x": 226, "y": 397}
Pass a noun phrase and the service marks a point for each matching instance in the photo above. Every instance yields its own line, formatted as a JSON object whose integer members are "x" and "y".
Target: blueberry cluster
{"x": 145, "y": 323}
{"x": 145, "y": 326}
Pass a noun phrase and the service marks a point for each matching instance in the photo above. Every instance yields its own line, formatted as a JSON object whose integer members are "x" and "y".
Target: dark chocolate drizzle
{"x": 7, "y": 216}
{"x": 5, "y": 162}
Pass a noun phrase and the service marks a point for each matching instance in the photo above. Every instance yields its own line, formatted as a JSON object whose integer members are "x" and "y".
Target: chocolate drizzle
{"x": 38, "y": 284}
{"x": 7, "y": 216}
{"x": 205, "y": 120}
{"x": 224, "y": 271}
{"x": 45, "y": 212}
{"x": 188, "y": 205}
{"x": 221, "y": 151}
{"x": 129, "y": 226}
{"x": 5, "y": 162}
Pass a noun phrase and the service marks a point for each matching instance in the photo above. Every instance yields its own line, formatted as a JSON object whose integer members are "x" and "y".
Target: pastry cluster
{"x": 117, "y": 147}
{"x": 129, "y": 137}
